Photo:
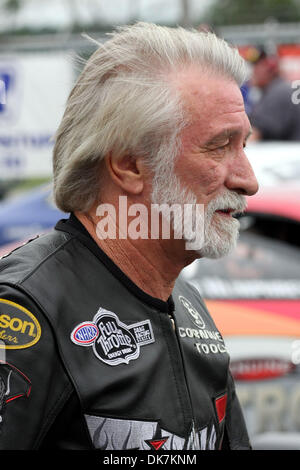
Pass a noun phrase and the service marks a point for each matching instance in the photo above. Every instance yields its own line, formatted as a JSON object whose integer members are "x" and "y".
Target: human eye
{"x": 220, "y": 147}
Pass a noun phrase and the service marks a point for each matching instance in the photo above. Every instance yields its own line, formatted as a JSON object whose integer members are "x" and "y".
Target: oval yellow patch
{"x": 19, "y": 328}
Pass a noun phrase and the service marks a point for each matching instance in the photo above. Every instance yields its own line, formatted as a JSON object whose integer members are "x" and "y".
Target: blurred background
{"x": 253, "y": 294}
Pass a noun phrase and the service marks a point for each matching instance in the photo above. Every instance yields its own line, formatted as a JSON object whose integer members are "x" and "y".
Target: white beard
{"x": 220, "y": 232}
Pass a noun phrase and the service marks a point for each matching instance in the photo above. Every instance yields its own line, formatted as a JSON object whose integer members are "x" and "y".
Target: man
{"x": 274, "y": 116}
{"x": 108, "y": 350}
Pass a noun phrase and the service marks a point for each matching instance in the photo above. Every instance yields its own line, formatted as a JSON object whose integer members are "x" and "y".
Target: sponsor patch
{"x": 13, "y": 384}
{"x": 85, "y": 333}
{"x": 19, "y": 328}
{"x": 113, "y": 341}
{"x": 193, "y": 313}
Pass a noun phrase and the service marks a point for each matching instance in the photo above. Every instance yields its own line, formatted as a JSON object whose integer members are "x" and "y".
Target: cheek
{"x": 203, "y": 178}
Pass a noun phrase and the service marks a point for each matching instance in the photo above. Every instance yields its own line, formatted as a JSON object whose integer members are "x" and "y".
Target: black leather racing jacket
{"x": 88, "y": 360}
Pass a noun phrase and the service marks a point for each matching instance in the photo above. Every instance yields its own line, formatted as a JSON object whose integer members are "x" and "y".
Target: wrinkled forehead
{"x": 200, "y": 88}
{"x": 212, "y": 103}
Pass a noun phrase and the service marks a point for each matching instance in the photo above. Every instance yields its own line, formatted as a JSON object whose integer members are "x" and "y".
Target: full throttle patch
{"x": 18, "y": 327}
{"x": 113, "y": 341}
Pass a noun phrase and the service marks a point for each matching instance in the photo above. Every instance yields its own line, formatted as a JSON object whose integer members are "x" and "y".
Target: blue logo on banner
{"x": 6, "y": 86}
{"x": 9, "y": 91}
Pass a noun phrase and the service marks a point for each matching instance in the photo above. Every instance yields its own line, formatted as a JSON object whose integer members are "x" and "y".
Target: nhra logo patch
{"x": 85, "y": 334}
{"x": 112, "y": 341}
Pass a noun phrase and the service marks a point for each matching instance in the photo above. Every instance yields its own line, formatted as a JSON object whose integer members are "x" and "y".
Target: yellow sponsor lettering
{"x": 20, "y": 328}
{"x": 28, "y": 326}
{"x": 4, "y": 321}
{"x": 11, "y": 339}
{"x": 16, "y": 324}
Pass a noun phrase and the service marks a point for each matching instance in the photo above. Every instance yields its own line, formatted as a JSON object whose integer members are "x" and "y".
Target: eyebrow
{"x": 216, "y": 139}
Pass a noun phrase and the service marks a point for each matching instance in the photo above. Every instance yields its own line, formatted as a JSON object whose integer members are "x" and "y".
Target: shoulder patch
{"x": 112, "y": 341}
{"x": 19, "y": 328}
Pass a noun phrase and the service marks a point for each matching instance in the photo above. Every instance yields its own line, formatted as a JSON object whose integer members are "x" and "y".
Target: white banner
{"x": 34, "y": 89}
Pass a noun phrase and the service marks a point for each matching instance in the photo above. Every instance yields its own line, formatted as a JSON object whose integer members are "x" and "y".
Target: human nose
{"x": 241, "y": 177}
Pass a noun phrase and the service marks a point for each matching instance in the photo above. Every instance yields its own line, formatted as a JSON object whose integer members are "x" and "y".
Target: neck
{"x": 151, "y": 264}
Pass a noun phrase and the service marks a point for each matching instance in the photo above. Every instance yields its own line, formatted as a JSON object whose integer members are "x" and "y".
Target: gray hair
{"x": 123, "y": 102}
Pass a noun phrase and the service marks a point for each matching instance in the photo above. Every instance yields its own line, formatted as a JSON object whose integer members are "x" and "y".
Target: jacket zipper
{"x": 178, "y": 347}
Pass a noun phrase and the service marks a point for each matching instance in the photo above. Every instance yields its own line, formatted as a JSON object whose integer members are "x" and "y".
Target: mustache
{"x": 228, "y": 200}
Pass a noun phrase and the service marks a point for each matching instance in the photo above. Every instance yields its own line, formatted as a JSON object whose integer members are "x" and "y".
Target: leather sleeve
{"x": 33, "y": 384}
{"x": 236, "y": 434}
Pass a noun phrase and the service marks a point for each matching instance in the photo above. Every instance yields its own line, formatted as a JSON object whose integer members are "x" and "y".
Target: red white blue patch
{"x": 85, "y": 333}
{"x": 112, "y": 341}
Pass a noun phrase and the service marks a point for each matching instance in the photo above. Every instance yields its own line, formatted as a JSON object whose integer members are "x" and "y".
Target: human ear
{"x": 126, "y": 171}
